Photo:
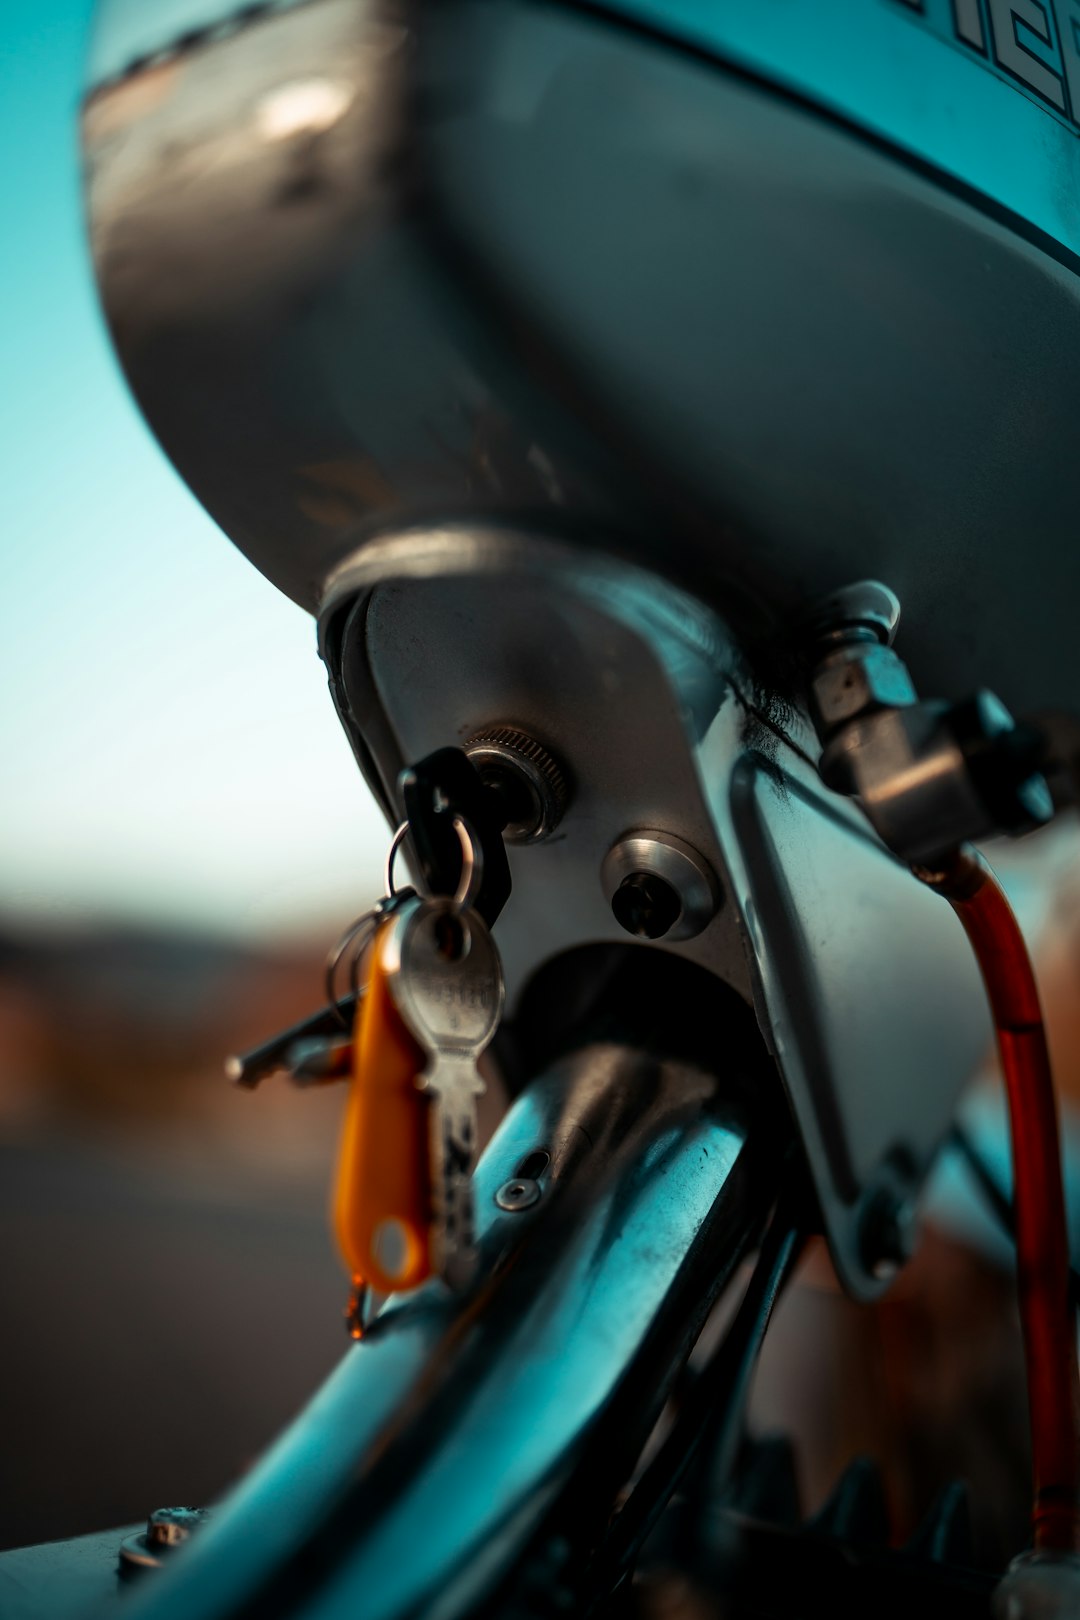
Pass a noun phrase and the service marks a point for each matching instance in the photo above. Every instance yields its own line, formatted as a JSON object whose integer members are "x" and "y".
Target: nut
{"x": 531, "y": 781}
{"x": 857, "y": 678}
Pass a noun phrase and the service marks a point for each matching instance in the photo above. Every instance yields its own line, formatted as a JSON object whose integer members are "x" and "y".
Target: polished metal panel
{"x": 541, "y": 636}
{"x": 832, "y": 917}
{"x": 424, "y": 1465}
{"x": 298, "y": 349}
{"x": 863, "y": 983}
{"x": 128, "y": 35}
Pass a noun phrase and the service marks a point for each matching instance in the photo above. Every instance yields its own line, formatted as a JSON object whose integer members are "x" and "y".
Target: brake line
{"x": 1042, "y": 1250}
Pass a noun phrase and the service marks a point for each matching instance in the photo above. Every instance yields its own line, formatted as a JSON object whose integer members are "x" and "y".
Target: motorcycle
{"x": 605, "y": 379}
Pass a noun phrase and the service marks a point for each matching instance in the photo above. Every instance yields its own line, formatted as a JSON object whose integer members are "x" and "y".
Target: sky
{"x": 170, "y": 750}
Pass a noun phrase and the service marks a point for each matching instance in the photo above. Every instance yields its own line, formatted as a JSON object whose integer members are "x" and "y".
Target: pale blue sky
{"x": 169, "y": 746}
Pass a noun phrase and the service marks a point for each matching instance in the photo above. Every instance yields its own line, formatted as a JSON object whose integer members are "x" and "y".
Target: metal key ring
{"x": 333, "y": 960}
{"x": 388, "y": 871}
{"x": 472, "y": 865}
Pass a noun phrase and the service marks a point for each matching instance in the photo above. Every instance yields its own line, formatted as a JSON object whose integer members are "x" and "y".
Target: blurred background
{"x": 184, "y": 833}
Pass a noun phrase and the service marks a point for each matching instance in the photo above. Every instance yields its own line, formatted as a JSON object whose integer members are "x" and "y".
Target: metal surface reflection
{"x": 472, "y": 1417}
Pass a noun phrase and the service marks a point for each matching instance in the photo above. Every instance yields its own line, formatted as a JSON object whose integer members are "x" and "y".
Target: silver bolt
{"x": 168, "y": 1527}
{"x": 521, "y": 1193}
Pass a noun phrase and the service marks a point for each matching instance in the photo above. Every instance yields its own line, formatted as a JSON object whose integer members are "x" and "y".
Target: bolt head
{"x": 167, "y": 1527}
{"x": 856, "y": 680}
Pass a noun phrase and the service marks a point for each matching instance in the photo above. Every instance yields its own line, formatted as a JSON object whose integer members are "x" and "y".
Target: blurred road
{"x": 159, "y": 1325}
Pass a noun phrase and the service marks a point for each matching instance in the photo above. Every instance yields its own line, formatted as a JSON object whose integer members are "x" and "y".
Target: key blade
{"x": 445, "y": 979}
{"x": 453, "y": 1141}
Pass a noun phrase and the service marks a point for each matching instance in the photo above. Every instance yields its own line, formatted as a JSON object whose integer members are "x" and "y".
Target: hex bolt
{"x": 166, "y": 1529}
{"x": 855, "y": 679}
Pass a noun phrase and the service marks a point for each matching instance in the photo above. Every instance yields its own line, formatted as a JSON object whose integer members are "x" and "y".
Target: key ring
{"x": 472, "y": 865}
{"x": 349, "y": 937}
{"x": 388, "y": 870}
{"x": 359, "y": 934}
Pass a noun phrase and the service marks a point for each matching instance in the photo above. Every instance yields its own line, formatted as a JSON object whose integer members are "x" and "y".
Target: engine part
{"x": 928, "y": 775}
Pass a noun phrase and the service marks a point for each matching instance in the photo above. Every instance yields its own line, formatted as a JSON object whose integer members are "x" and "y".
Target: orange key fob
{"x": 382, "y": 1204}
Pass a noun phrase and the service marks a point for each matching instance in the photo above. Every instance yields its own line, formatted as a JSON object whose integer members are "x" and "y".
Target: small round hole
{"x": 449, "y": 937}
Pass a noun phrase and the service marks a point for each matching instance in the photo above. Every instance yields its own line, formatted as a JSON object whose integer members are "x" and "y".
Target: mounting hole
{"x": 390, "y": 1246}
{"x": 534, "y": 1164}
{"x": 450, "y": 937}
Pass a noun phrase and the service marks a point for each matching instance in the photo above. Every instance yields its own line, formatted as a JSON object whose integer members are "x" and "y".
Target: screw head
{"x": 166, "y": 1529}
{"x": 646, "y": 904}
{"x": 520, "y": 1193}
{"x": 855, "y": 680}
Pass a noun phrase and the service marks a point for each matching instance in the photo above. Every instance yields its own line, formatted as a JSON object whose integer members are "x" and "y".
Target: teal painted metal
{"x": 1002, "y": 119}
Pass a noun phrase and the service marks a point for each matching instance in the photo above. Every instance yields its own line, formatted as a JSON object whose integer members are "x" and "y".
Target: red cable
{"x": 1042, "y": 1251}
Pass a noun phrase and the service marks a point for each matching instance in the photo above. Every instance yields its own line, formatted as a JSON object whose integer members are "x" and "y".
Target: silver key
{"x": 446, "y": 980}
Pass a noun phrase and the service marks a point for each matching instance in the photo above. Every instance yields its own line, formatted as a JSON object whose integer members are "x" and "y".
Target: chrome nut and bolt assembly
{"x": 529, "y": 781}
{"x": 929, "y": 775}
{"x": 166, "y": 1529}
{"x": 659, "y": 887}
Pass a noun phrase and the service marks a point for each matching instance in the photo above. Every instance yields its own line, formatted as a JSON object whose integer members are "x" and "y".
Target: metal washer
{"x": 679, "y": 864}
